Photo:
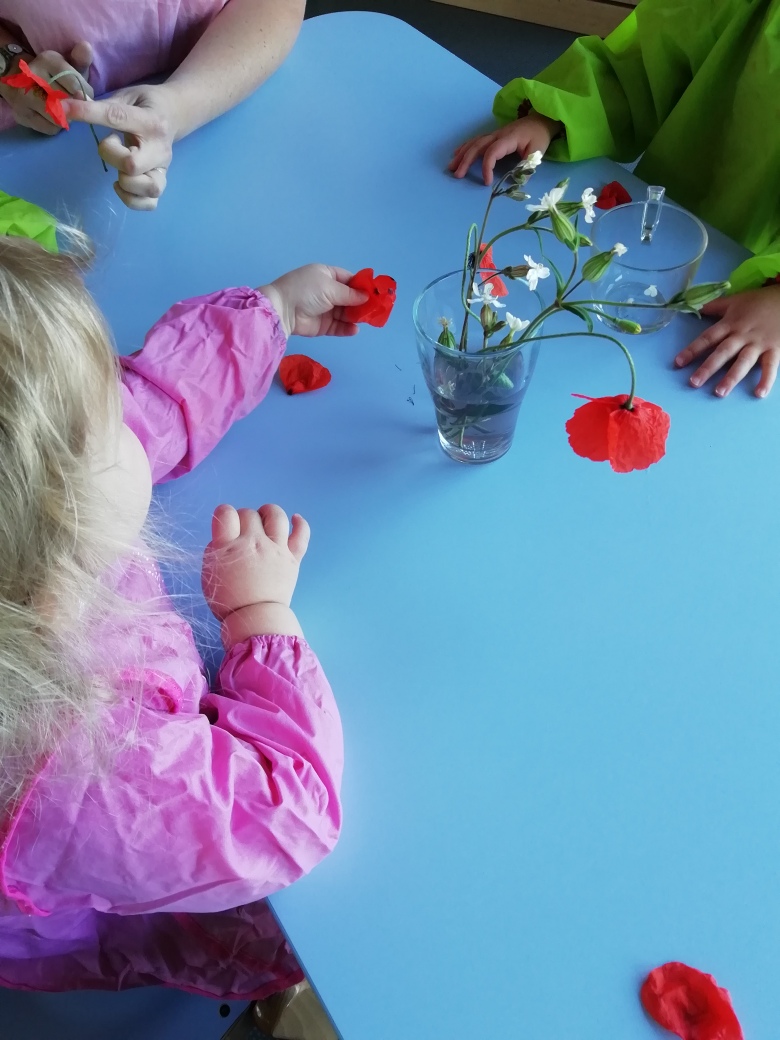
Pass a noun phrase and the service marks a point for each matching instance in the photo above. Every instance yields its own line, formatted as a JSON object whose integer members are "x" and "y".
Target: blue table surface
{"x": 557, "y": 683}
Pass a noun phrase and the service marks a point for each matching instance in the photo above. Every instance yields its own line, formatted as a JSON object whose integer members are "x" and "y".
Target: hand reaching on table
{"x": 746, "y": 334}
{"x": 532, "y": 133}
{"x": 250, "y": 568}
{"x": 28, "y": 107}
{"x": 310, "y": 300}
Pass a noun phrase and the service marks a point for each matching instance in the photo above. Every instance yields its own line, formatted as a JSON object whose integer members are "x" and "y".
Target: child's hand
{"x": 29, "y": 109}
{"x": 532, "y": 133}
{"x": 748, "y": 332}
{"x": 310, "y": 299}
{"x": 250, "y": 568}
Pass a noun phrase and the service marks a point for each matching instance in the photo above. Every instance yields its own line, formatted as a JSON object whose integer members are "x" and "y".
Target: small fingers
{"x": 728, "y": 349}
{"x": 746, "y": 359}
{"x": 474, "y": 150}
{"x": 770, "y": 360}
{"x": 35, "y": 121}
{"x": 707, "y": 341}
{"x": 275, "y": 522}
{"x": 298, "y": 542}
{"x": 225, "y": 525}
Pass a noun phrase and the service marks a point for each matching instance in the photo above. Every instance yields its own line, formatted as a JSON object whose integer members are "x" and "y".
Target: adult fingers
{"x": 114, "y": 115}
{"x": 81, "y": 57}
{"x": 770, "y": 360}
{"x": 146, "y": 185}
{"x": 709, "y": 339}
{"x": 136, "y": 159}
{"x": 225, "y": 525}
{"x": 35, "y": 121}
{"x": 275, "y": 523}
{"x": 746, "y": 359}
{"x": 729, "y": 348}
{"x": 298, "y": 542}
{"x": 51, "y": 65}
{"x": 140, "y": 203}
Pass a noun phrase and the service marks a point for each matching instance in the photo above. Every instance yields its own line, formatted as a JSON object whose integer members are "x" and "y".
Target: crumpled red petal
{"x": 498, "y": 285}
{"x": 381, "y": 297}
{"x": 604, "y": 431}
{"x": 299, "y": 374}
{"x": 689, "y": 1003}
{"x": 25, "y": 79}
{"x": 612, "y": 194}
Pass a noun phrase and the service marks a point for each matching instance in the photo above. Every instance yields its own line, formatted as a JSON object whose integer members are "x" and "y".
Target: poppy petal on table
{"x": 689, "y": 1003}
{"x": 299, "y": 374}
{"x": 603, "y": 430}
{"x": 381, "y": 297}
{"x": 487, "y": 263}
{"x": 25, "y": 79}
{"x": 612, "y": 194}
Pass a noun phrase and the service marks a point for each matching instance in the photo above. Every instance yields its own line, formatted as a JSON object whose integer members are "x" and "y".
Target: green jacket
{"x": 694, "y": 87}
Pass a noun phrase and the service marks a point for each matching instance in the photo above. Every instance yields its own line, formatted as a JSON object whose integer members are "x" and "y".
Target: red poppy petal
{"x": 612, "y": 194}
{"x": 587, "y": 428}
{"x": 299, "y": 374}
{"x": 381, "y": 297}
{"x": 637, "y": 438}
{"x": 54, "y": 108}
{"x": 497, "y": 284}
{"x": 689, "y": 1003}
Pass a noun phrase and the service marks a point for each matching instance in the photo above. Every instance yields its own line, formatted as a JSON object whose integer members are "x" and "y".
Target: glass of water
{"x": 649, "y": 271}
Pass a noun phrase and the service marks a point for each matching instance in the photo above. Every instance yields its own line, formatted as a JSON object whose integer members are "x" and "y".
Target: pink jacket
{"x": 131, "y": 39}
{"x": 128, "y": 874}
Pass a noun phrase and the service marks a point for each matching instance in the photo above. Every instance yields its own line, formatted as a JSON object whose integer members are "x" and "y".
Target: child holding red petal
{"x": 146, "y": 816}
{"x": 691, "y": 87}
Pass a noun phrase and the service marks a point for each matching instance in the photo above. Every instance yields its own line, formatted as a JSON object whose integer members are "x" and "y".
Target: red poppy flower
{"x": 689, "y": 1003}
{"x": 381, "y": 297}
{"x": 26, "y": 80}
{"x": 612, "y": 194}
{"x": 498, "y": 285}
{"x": 299, "y": 374}
{"x": 604, "y": 431}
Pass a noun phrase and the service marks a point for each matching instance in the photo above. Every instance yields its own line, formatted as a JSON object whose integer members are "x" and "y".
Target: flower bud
{"x": 693, "y": 299}
{"x": 596, "y": 267}
{"x": 563, "y": 229}
{"x": 633, "y": 328}
{"x": 519, "y": 271}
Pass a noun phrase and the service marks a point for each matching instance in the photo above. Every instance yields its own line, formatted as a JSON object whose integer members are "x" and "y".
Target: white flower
{"x": 589, "y": 201}
{"x": 483, "y": 295}
{"x": 515, "y": 325}
{"x": 548, "y": 201}
{"x": 532, "y": 161}
{"x": 651, "y": 290}
{"x": 619, "y": 249}
{"x": 535, "y": 272}
{"x": 446, "y": 323}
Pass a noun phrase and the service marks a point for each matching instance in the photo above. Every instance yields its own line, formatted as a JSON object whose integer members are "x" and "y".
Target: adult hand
{"x": 747, "y": 333}
{"x": 28, "y": 107}
{"x": 144, "y": 122}
{"x": 532, "y": 133}
{"x": 310, "y": 300}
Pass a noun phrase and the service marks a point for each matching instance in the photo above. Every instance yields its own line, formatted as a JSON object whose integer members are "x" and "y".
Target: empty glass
{"x": 649, "y": 271}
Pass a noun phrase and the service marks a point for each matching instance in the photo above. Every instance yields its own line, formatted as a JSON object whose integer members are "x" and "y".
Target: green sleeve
{"x": 753, "y": 273}
{"x": 612, "y": 95}
{"x": 18, "y": 217}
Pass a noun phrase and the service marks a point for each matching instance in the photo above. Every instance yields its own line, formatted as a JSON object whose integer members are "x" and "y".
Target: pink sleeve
{"x": 206, "y": 363}
{"x": 202, "y": 811}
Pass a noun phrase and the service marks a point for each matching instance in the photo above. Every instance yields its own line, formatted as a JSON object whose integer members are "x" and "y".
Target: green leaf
{"x": 563, "y": 184}
{"x": 582, "y": 314}
{"x": 596, "y": 266}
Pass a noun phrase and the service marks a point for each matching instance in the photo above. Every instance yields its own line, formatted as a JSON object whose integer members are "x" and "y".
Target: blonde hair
{"x": 59, "y": 395}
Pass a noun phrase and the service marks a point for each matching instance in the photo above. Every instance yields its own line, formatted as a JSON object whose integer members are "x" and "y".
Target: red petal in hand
{"x": 612, "y": 194}
{"x": 604, "y": 431}
{"x": 689, "y": 1003}
{"x": 498, "y": 285}
{"x": 299, "y": 374}
{"x": 381, "y": 297}
{"x": 25, "y": 79}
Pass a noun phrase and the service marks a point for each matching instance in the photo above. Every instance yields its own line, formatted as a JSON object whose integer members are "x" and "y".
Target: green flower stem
{"x": 82, "y": 83}
{"x": 602, "y": 335}
{"x": 621, "y": 303}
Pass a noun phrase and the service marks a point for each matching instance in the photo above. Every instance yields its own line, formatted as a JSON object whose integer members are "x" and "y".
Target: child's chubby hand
{"x": 28, "y": 107}
{"x": 250, "y": 568}
{"x": 532, "y": 133}
{"x": 746, "y": 334}
{"x": 310, "y": 300}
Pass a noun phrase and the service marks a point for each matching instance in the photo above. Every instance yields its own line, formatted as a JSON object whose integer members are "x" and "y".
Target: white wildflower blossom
{"x": 535, "y": 272}
{"x": 515, "y": 325}
{"x": 483, "y": 295}
{"x": 589, "y": 198}
{"x": 619, "y": 249}
{"x": 548, "y": 202}
{"x": 532, "y": 161}
{"x": 651, "y": 290}
{"x": 446, "y": 323}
